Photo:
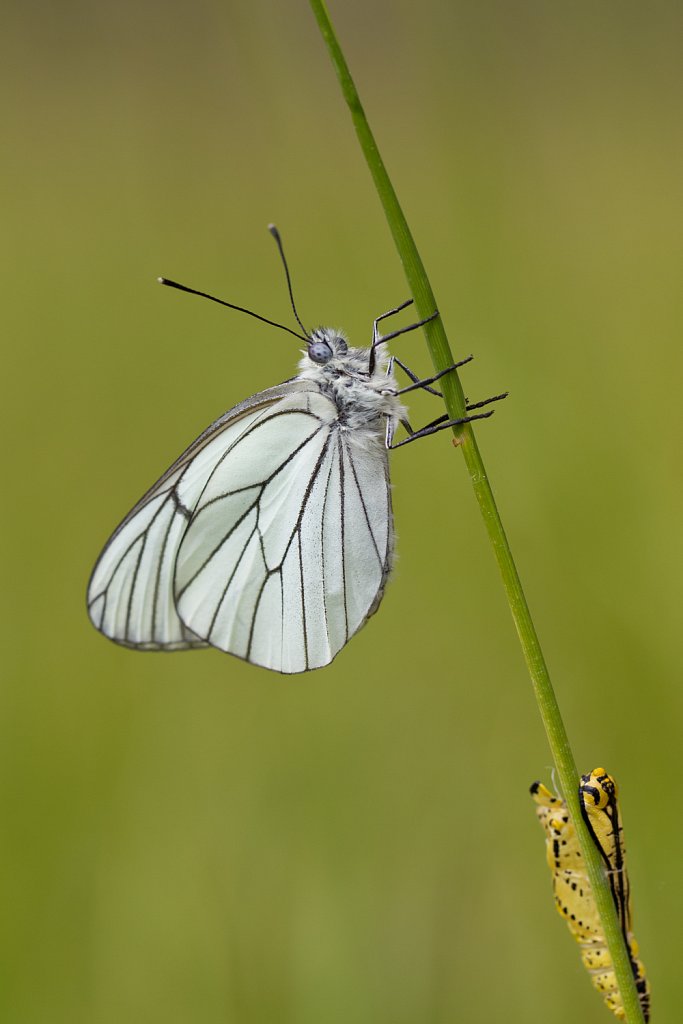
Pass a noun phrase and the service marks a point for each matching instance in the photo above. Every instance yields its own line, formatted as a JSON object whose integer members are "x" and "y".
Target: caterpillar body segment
{"x": 571, "y": 886}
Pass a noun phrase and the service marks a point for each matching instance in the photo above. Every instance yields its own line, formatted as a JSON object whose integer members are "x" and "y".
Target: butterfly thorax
{"x": 364, "y": 401}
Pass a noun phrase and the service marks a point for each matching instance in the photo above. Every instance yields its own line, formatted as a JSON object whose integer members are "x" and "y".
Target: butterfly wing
{"x": 130, "y": 593}
{"x": 270, "y": 538}
{"x": 289, "y": 546}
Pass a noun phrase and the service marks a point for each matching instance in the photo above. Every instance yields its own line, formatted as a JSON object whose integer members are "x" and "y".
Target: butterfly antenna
{"x": 276, "y": 235}
{"x": 231, "y": 305}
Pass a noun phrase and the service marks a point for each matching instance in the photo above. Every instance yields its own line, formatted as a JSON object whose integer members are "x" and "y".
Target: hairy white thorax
{"x": 365, "y": 402}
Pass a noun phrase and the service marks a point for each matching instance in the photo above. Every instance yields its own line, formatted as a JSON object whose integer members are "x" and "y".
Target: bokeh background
{"x": 188, "y": 838}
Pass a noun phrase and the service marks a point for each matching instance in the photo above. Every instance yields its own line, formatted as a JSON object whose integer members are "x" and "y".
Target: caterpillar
{"x": 571, "y": 886}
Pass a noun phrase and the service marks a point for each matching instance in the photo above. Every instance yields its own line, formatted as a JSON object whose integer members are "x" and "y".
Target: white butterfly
{"x": 271, "y": 537}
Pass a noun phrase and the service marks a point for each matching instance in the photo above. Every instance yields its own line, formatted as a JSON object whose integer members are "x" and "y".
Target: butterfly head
{"x": 326, "y": 344}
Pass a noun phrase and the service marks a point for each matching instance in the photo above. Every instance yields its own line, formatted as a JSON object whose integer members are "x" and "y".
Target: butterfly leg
{"x": 395, "y": 361}
{"x": 487, "y": 401}
{"x": 417, "y": 383}
{"x": 440, "y": 422}
{"x": 409, "y": 430}
{"x": 435, "y": 427}
{"x": 474, "y": 405}
{"x": 383, "y": 316}
{"x": 413, "y": 376}
{"x": 378, "y": 339}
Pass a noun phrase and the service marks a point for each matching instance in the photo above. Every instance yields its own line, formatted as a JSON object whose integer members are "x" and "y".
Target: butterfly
{"x": 573, "y": 894}
{"x": 271, "y": 537}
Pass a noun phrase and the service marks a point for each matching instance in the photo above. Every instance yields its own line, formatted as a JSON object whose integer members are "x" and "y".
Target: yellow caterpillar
{"x": 573, "y": 895}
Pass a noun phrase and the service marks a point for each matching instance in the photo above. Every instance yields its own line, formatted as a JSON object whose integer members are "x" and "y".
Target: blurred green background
{"x": 188, "y": 838}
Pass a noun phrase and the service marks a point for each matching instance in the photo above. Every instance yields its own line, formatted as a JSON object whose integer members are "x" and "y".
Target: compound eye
{"x": 319, "y": 352}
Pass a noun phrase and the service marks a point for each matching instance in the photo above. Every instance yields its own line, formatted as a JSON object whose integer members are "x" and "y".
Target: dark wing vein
{"x": 226, "y": 588}
{"x": 261, "y": 485}
{"x": 364, "y": 507}
{"x": 278, "y": 469}
{"x": 296, "y": 532}
{"x": 304, "y": 502}
{"x": 157, "y": 581}
{"x": 127, "y": 551}
{"x": 343, "y": 533}
{"x": 303, "y": 599}
{"x": 322, "y": 546}
{"x": 129, "y": 609}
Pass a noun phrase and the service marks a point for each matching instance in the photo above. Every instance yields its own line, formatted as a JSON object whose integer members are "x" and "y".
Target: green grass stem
{"x": 440, "y": 351}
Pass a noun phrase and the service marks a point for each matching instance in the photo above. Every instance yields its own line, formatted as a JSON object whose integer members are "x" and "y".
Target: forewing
{"x": 130, "y": 594}
{"x": 289, "y": 547}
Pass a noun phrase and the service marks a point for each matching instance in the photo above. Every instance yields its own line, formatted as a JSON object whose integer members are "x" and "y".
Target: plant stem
{"x": 440, "y": 352}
